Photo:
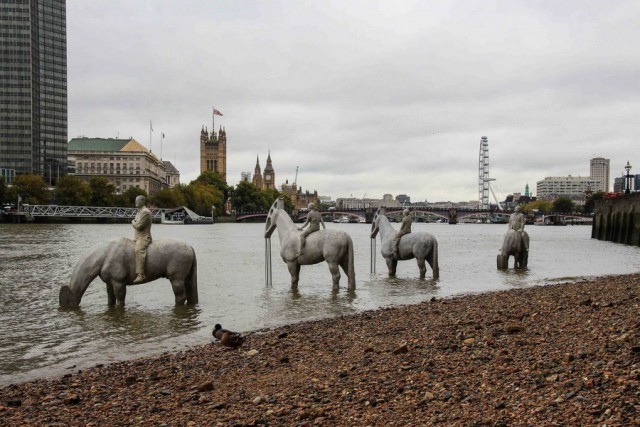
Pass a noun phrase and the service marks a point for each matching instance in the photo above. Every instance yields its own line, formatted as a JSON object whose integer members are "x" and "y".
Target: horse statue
{"x": 515, "y": 245}
{"x": 115, "y": 263}
{"x": 333, "y": 246}
{"x": 420, "y": 245}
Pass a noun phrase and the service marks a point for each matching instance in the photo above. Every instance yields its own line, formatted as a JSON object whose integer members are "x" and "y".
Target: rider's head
{"x": 311, "y": 206}
{"x": 518, "y": 208}
{"x": 140, "y": 200}
{"x": 406, "y": 211}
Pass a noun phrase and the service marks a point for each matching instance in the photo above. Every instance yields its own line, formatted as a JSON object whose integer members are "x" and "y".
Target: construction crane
{"x": 295, "y": 180}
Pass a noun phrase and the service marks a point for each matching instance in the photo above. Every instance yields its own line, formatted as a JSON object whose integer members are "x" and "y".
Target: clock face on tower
{"x": 267, "y": 177}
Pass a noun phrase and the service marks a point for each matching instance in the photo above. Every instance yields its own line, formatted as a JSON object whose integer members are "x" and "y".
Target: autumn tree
{"x": 72, "y": 191}
{"x": 168, "y": 198}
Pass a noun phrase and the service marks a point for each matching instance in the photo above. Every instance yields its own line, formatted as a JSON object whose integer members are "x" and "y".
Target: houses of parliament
{"x": 213, "y": 157}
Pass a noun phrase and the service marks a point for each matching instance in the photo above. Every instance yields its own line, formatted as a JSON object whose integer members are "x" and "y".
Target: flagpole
{"x": 150, "y": 130}
{"x": 213, "y": 116}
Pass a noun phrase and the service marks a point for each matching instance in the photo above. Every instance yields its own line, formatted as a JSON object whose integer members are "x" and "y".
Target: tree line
{"x": 200, "y": 195}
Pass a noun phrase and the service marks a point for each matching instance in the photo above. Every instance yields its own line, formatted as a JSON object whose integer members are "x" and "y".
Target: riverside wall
{"x": 618, "y": 220}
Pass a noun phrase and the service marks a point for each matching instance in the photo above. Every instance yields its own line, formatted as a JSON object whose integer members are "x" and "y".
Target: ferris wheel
{"x": 484, "y": 180}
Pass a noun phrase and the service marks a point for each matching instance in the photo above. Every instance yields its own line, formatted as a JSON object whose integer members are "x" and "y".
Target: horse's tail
{"x": 87, "y": 269}
{"x": 192, "y": 295}
{"x": 351, "y": 268}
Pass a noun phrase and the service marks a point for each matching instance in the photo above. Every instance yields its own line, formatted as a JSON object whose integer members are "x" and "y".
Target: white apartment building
{"x": 574, "y": 187}
{"x": 600, "y": 171}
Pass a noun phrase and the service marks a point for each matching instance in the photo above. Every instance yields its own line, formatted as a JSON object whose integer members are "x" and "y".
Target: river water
{"x": 38, "y": 339}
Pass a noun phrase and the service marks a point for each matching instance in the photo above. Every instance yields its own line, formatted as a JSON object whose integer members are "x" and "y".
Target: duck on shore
{"x": 227, "y": 338}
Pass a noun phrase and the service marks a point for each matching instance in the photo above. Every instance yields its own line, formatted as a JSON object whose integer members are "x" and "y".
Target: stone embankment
{"x": 563, "y": 355}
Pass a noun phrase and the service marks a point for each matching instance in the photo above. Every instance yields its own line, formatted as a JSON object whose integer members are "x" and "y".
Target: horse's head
{"x": 270, "y": 224}
{"x": 375, "y": 224}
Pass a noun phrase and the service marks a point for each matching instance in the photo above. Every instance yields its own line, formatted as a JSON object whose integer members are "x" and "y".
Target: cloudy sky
{"x": 365, "y": 97}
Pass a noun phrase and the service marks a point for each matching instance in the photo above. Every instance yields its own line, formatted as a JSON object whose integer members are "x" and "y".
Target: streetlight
{"x": 627, "y": 179}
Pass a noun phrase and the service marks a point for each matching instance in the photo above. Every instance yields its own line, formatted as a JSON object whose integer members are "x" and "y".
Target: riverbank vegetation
{"x": 199, "y": 195}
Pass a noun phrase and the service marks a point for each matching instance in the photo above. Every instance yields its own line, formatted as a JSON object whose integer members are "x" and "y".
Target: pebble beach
{"x": 555, "y": 355}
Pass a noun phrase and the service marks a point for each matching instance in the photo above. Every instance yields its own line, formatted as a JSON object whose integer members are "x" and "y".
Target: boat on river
{"x": 184, "y": 215}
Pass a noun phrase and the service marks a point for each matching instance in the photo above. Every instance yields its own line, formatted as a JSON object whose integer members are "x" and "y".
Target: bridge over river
{"x": 451, "y": 215}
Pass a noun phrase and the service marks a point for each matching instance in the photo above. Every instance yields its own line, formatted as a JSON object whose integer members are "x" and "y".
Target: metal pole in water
{"x": 267, "y": 261}
{"x": 373, "y": 256}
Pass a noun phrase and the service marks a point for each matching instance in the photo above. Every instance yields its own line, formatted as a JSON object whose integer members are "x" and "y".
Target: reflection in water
{"x": 39, "y": 339}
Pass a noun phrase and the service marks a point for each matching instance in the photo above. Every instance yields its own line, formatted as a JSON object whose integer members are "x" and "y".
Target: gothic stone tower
{"x": 257, "y": 175}
{"x": 269, "y": 175}
{"x": 213, "y": 152}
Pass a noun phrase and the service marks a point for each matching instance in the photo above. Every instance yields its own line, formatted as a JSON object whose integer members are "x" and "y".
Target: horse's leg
{"x": 120, "y": 292}
{"x": 392, "y": 263}
{"x": 179, "y": 291}
{"x": 294, "y": 270}
{"x": 422, "y": 267}
{"x": 432, "y": 259}
{"x": 335, "y": 274}
{"x": 111, "y": 296}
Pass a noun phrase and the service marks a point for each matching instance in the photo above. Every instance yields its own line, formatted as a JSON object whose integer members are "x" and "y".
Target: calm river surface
{"x": 37, "y": 339}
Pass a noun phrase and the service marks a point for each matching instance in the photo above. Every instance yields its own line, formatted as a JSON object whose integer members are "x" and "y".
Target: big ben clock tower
{"x": 269, "y": 175}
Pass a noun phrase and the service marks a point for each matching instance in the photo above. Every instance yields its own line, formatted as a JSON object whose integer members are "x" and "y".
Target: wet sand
{"x": 565, "y": 354}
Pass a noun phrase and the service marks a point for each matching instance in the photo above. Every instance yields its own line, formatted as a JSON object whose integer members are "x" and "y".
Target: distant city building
{"x": 573, "y": 187}
{"x": 354, "y": 203}
{"x": 600, "y": 171}
{"x": 403, "y": 199}
{"x": 245, "y": 176}
{"x": 124, "y": 162}
{"x": 213, "y": 152}
{"x": 267, "y": 180}
{"x": 33, "y": 88}
{"x": 620, "y": 184}
{"x": 172, "y": 174}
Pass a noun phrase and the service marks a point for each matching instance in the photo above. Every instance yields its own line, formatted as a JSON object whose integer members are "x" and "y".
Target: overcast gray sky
{"x": 366, "y": 97}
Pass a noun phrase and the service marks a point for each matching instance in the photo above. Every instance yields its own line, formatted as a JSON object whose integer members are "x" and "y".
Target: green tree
{"x": 542, "y": 206}
{"x": 563, "y": 204}
{"x": 169, "y": 198}
{"x": 201, "y": 197}
{"x": 72, "y": 191}
{"x": 128, "y": 198}
{"x": 213, "y": 178}
{"x": 102, "y": 191}
{"x": 31, "y": 188}
{"x": 590, "y": 203}
{"x": 247, "y": 198}
{"x": 3, "y": 190}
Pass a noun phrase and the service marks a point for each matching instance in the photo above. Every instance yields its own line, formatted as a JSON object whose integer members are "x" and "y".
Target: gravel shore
{"x": 566, "y": 355}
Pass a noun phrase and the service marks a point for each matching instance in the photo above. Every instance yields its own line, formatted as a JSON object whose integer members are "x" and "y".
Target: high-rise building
{"x": 600, "y": 171}
{"x": 33, "y": 88}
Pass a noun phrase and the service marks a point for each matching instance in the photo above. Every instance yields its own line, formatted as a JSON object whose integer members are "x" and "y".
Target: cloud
{"x": 364, "y": 97}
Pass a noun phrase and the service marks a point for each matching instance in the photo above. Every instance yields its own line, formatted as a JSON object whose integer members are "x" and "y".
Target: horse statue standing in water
{"x": 515, "y": 244}
{"x": 333, "y": 246}
{"x": 115, "y": 263}
{"x": 421, "y": 245}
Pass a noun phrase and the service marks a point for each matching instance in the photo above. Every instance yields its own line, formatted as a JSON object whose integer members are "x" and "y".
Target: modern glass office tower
{"x": 33, "y": 87}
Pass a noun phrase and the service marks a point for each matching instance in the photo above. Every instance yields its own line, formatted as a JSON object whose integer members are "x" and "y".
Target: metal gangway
{"x": 86, "y": 211}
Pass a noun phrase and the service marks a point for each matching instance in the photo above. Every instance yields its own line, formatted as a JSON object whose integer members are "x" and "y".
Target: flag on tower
{"x": 216, "y": 112}
{"x": 150, "y": 125}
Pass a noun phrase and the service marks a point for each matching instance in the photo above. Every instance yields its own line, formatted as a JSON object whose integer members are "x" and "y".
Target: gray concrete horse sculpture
{"x": 333, "y": 246}
{"x": 115, "y": 263}
{"x": 419, "y": 245}
{"x": 514, "y": 245}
